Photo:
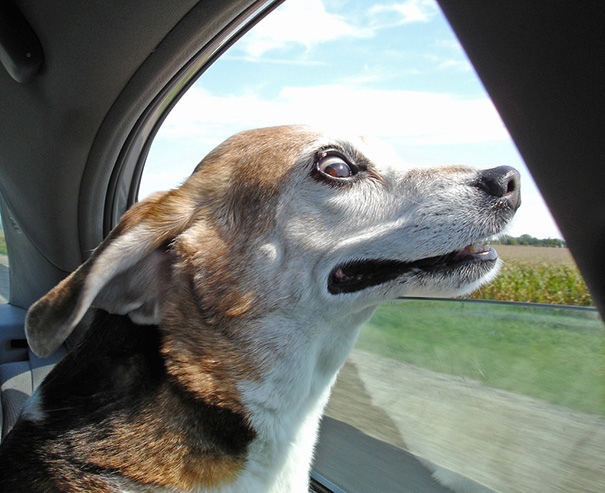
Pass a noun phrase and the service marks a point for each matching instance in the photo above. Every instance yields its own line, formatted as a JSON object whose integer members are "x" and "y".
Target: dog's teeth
{"x": 479, "y": 247}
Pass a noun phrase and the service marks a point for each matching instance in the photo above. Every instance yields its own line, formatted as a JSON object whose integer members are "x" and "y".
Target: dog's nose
{"x": 503, "y": 181}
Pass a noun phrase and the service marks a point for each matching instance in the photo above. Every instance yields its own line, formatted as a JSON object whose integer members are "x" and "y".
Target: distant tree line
{"x": 531, "y": 241}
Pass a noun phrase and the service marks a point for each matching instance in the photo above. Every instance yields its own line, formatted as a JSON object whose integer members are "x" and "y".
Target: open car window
{"x": 502, "y": 391}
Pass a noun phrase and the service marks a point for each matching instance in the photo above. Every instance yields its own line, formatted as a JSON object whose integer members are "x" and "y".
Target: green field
{"x": 551, "y": 353}
{"x": 537, "y": 275}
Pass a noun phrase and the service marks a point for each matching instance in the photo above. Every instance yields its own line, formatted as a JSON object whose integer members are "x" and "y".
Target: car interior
{"x": 84, "y": 87}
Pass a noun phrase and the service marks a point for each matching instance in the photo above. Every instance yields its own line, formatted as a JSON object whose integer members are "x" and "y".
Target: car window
{"x": 4, "y": 273}
{"x": 500, "y": 391}
{"x": 394, "y": 73}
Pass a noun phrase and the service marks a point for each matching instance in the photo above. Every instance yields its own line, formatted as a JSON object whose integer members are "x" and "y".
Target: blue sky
{"x": 391, "y": 70}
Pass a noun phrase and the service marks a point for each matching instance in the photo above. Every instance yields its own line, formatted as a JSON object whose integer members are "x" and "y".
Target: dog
{"x": 226, "y": 307}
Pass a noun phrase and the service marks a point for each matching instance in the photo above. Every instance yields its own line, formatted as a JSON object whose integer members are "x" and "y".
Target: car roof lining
{"x": 102, "y": 68}
{"x": 84, "y": 71}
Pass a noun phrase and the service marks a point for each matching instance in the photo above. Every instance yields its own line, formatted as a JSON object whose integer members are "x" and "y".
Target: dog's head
{"x": 293, "y": 222}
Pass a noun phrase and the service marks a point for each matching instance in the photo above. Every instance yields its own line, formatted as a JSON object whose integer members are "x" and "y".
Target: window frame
{"x": 126, "y": 175}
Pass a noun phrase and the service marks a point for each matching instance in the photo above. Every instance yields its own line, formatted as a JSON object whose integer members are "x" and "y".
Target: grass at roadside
{"x": 553, "y": 354}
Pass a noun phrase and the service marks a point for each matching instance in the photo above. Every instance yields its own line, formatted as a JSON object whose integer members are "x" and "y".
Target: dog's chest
{"x": 279, "y": 459}
{"x": 285, "y": 410}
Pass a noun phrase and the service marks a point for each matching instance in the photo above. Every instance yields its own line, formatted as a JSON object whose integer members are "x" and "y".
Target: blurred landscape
{"x": 538, "y": 275}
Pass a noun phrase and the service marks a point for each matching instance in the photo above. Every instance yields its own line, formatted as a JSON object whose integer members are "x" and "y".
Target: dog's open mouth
{"x": 361, "y": 274}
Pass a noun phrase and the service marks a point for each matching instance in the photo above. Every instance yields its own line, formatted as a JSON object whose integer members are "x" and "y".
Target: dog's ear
{"x": 123, "y": 275}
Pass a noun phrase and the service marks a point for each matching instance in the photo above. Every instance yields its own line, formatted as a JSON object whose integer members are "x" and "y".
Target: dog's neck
{"x": 278, "y": 364}
{"x": 276, "y": 370}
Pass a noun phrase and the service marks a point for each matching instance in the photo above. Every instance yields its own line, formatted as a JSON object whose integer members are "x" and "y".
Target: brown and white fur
{"x": 227, "y": 307}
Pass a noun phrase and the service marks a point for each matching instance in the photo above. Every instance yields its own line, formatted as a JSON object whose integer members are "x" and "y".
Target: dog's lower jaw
{"x": 452, "y": 288}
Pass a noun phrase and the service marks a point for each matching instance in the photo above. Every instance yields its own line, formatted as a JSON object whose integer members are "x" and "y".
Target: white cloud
{"x": 297, "y": 22}
{"x": 449, "y": 44}
{"x": 307, "y": 23}
{"x": 460, "y": 65}
{"x": 398, "y": 13}
{"x": 415, "y": 117}
{"x": 276, "y": 61}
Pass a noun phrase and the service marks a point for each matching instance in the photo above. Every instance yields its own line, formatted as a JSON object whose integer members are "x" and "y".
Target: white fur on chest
{"x": 287, "y": 405}
{"x": 282, "y": 465}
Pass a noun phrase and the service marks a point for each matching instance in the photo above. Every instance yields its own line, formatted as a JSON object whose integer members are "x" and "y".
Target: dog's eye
{"x": 334, "y": 166}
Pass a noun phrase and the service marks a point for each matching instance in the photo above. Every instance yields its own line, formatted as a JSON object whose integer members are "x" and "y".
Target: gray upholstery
{"x": 18, "y": 381}
{"x": 15, "y": 388}
{"x": 21, "y": 371}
